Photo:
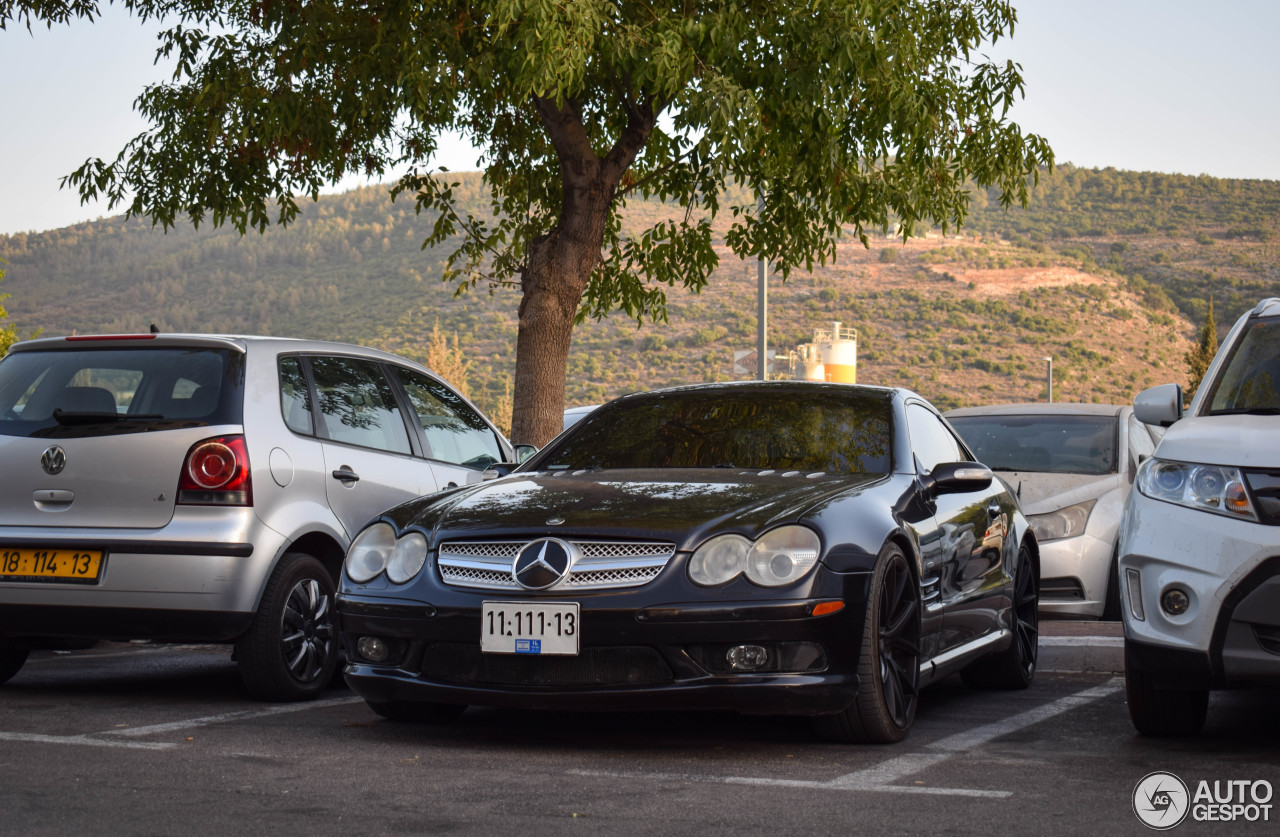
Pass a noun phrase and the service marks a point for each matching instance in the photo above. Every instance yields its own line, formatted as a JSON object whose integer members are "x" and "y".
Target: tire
{"x": 1015, "y": 666}
{"x": 409, "y": 712}
{"x": 888, "y": 661}
{"x": 12, "y": 659}
{"x": 290, "y": 651}
{"x": 1161, "y": 712}
{"x": 1111, "y": 604}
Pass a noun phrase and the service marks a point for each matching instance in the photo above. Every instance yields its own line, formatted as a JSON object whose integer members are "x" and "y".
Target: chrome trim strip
{"x": 968, "y": 648}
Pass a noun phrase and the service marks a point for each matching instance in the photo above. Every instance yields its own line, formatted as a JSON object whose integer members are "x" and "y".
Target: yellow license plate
{"x": 58, "y": 565}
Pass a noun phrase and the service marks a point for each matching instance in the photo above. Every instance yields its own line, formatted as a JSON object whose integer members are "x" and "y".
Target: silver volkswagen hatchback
{"x": 180, "y": 487}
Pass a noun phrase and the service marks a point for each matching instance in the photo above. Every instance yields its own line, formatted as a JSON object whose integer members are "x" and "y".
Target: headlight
{"x": 407, "y": 558}
{"x": 369, "y": 552}
{"x": 1211, "y": 488}
{"x": 1063, "y": 523}
{"x": 719, "y": 560}
{"x": 781, "y": 557}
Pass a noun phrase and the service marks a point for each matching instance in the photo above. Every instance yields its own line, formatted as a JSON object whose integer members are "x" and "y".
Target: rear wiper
{"x": 725, "y": 465}
{"x": 69, "y": 417}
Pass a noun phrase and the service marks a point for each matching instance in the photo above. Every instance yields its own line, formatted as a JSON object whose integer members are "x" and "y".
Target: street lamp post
{"x": 762, "y": 304}
{"x": 1049, "y": 376}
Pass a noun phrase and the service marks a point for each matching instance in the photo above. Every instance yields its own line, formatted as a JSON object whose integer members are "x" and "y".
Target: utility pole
{"x": 762, "y": 305}
{"x": 1049, "y": 376}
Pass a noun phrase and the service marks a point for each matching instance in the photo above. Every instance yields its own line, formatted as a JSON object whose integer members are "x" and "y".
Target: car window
{"x": 931, "y": 441}
{"x": 1057, "y": 444}
{"x": 295, "y": 398}
{"x": 1250, "y": 381}
{"x": 358, "y": 405}
{"x": 454, "y": 432}
{"x": 96, "y": 391}
{"x": 802, "y": 429}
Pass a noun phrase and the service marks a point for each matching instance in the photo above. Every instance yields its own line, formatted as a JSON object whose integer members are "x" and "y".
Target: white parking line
{"x": 244, "y": 714}
{"x": 880, "y": 777}
{"x": 99, "y": 739}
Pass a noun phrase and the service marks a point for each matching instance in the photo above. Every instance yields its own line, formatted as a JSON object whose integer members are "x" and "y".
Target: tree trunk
{"x": 560, "y": 263}
{"x": 559, "y": 267}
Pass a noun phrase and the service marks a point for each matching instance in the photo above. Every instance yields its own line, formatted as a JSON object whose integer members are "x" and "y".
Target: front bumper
{"x": 1230, "y": 571}
{"x": 631, "y": 658}
{"x": 1074, "y": 575}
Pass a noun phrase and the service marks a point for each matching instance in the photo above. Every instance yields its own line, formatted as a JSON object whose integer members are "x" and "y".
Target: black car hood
{"x": 683, "y": 506}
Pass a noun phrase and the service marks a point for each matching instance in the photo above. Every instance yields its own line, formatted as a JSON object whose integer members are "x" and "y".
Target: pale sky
{"x": 1144, "y": 85}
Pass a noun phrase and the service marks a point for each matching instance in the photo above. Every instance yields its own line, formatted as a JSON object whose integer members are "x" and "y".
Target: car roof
{"x": 1041, "y": 408}
{"x": 1268, "y": 307}
{"x": 237, "y": 342}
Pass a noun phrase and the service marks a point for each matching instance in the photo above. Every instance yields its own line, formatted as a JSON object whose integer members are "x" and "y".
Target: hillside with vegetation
{"x": 1107, "y": 272}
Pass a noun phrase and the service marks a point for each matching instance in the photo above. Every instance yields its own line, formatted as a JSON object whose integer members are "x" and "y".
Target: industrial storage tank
{"x": 832, "y": 356}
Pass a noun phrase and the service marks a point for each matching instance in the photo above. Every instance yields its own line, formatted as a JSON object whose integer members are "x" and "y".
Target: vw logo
{"x": 542, "y": 564}
{"x": 53, "y": 460}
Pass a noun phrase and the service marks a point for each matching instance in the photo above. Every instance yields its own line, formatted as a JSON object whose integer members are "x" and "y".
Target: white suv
{"x": 1199, "y": 551}
{"x": 203, "y": 488}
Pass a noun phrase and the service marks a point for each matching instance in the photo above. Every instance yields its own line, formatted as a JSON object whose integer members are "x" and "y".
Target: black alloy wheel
{"x": 889, "y": 662}
{"x": 1015, "y": 666}
{"x": 290, "y": 651}
{"x": 899, "y": 642}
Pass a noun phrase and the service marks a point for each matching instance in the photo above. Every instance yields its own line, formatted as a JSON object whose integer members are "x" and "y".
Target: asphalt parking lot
{"x": 141, "y": 739}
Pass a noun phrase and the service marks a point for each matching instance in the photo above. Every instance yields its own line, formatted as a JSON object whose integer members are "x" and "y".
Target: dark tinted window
{"x": 931, "y": 441}
{"x": 1250, "y": 381}
{"x": 783, "y": 429}
{"x": 94, "y": 392}
{"x": 1046, "y": 443}
{"x": 358, "y": 405}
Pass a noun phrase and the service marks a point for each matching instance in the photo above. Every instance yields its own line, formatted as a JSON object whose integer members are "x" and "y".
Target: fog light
{"x": 372, "y": 649}
{"x": 747, "y": 657}
{"x": 1175, "y": 601}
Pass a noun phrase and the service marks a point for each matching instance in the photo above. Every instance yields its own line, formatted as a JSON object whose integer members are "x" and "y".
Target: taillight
{"x": 216, "y": 473}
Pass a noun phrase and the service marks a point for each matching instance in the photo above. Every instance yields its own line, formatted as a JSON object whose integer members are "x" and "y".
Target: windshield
{"x": 1250, "y": 381}
{"x": 96, "y": 392}
{"x": 1055, "y": 444}
{"x": 784, "y": 428}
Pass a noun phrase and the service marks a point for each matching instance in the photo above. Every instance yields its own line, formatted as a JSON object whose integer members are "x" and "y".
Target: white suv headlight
{"x": 1211, "y": 488}
{"x": 1063, "y": 523}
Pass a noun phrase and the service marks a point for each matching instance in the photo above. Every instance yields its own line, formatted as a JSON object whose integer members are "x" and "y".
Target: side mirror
{"x": 524, "y": 453}
{"x": 959, "y": 477}
{"x": 1161, "y": 405}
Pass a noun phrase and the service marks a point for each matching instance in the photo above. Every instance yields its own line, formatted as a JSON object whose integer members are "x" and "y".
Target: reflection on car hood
{"x": 1241, "y": 440}
{"x": 680, "y": 505}
{"x": 1042, "y": 492}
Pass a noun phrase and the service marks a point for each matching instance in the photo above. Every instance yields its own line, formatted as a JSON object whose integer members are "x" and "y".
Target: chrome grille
{"x": 601, "y": 565}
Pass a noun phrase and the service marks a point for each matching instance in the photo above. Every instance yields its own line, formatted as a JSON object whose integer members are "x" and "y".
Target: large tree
{"x": 841, "y": 115}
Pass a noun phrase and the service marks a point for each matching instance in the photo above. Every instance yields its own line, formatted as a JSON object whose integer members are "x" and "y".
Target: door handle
{"x": 346, "y": 475}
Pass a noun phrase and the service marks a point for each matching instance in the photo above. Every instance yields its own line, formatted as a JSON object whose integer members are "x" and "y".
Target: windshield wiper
{"x": 1246, "y": 411}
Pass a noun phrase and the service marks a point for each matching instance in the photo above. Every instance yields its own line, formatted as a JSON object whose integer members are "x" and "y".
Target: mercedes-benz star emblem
{"x": 53, "y": 460}
{"x": 542, "y": 564}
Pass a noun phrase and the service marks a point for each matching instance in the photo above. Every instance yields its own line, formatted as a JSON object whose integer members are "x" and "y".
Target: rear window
{"x": 1044, "y": 443}
{"x": 101, "y": 392}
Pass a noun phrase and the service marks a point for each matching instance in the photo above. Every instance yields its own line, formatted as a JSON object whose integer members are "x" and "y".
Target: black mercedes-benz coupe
{"x": 772, "y": 548}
